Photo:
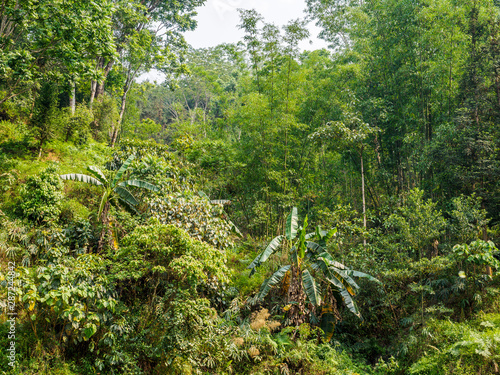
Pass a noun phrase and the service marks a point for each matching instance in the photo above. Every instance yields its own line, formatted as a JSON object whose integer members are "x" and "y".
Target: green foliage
{"x": 164, "y": 266}
{"x": 70, "y": 298}
{"x": 417, "y": 223}
{"x": 147, "y": 129}
{"x": 478, "y": 253}
{"x": 178, "y": 202}
{"x": 313, "y": 273}
{"x": 459, "y": 348}
{"x": 105, "y": 117}
{"x": 44, "y": 120}
{"x": 404, "y": 109}
{"x": 161, "y": 248}
{"x": 203, "y": 220}
{"x": 72, "y": 210}
{"x": 468, "y": 219}
{"x": 115, "y": 188}
{"x": 77, "y": 126}
{"x": 42, "y": 196}
{"x": 51, "y": 40}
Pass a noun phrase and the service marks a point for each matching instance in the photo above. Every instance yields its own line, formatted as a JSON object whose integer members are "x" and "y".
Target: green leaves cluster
{"x": 116, "y": 187}
{"x": 41, "y": 196}
{"x": 318, "y": 272}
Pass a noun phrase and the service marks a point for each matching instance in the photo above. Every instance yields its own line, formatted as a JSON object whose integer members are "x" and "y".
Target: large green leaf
{"x": 126, "y": 195}
{"x": 139, "y": 184}
{"x": 347, "y": 282}
{"x": 346, "y": 296}
{"x": 234, "y": 228}
{"x": 310, "y": 235}
{"x": 328, "y": 322}
{"x": 122, "y": 170}
{"x": 342, "y": 276}
{"x": 98, "y": 174}
{"x": 272, "y": 281}
{"x": 262, "y": 257}
{"x": 330, "y": 234}
{"x": 350, "y": 304}
{"x": 292, "y": 223}
{"x": 128, "y": 206}
{"x": 328, "y": 258}
{"x": 310, "y": 288}
{"x": 315, "y": 248}
{"x": 81, "y": 177}
{"x": 362, "y": 274}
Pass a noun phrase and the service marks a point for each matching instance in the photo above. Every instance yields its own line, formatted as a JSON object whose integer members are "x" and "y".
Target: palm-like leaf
{"x": 104, "y": 199}
{"x": 262, "y": 257}
{"x": 315, "y": 248}
{"x": 311, "y": 288}
{"x": 272, "y": 281}
{"x": 128, "y": 206}
{"x": 362, "y": 274}
{"x": 98, "y": 174}
{"x": 329, "y": 260}
{"x": 220, "y": 201}
{"x": 81, "y": 177}
{"x": 292, "y": 223}
{"x": 126, "y": 196}
{"x": 122, "y": 169}
{"x": 139, "y": 184}
{"x": 350, "y": 304}
{"x": 330, "y": 234}
{"x": 346, "y": 296}
{"x": 349, "y": 284}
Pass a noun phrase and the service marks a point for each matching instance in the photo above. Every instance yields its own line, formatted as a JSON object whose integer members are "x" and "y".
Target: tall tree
{"x": 38, "y": 41}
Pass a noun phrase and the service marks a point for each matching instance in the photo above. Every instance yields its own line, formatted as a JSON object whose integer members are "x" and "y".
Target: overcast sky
{"x": 218, "y": 20}
{"x": 218, "y": 23}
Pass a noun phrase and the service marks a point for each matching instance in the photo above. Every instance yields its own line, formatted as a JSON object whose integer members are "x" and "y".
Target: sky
{"x": 218, "y": 23}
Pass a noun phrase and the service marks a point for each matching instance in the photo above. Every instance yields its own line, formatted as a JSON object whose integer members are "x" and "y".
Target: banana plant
{"x": 114, "y": 188}
{"x": 318, "y": 272}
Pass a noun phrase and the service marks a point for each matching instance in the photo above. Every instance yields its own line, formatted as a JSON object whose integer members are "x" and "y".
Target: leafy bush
{"x": 168, "y": 327}
{"x": 77, "y": 127}
{"x": 468, "y": 219}
{"x": 105, "y": 116}
{"x": 41, "y": 196}
{"x": 72, "y": 210}
{"x": 44, "y": 122}
{"x": 417, "y": 223}
{"x": 459, "y": 348}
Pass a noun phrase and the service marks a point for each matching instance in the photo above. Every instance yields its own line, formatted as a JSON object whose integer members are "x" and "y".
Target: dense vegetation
{"x": 264, "y": 210}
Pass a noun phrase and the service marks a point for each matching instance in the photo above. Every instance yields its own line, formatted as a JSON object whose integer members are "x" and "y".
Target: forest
{"x": 265, "y": 209}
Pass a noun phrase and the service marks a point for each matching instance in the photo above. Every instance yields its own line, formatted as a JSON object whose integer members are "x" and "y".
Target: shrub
{"x": 72, "y": 210}
{"x": 471, "y": 347}
{"x": 41, "y": 196}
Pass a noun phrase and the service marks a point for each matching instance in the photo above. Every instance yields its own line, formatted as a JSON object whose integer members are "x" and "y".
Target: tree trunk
{"x": 363, "y": 194}
{"x": 93, "y": 86}
{"x": 489, "y": 271}
{"x": 105, "y": 227}
{"x": 296, "y": 294}
{"x": 100, "y": 85}
{"x": 72, "y": 98}
{"x": 40, "y": 150}
{"x": 116, "y": 128}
